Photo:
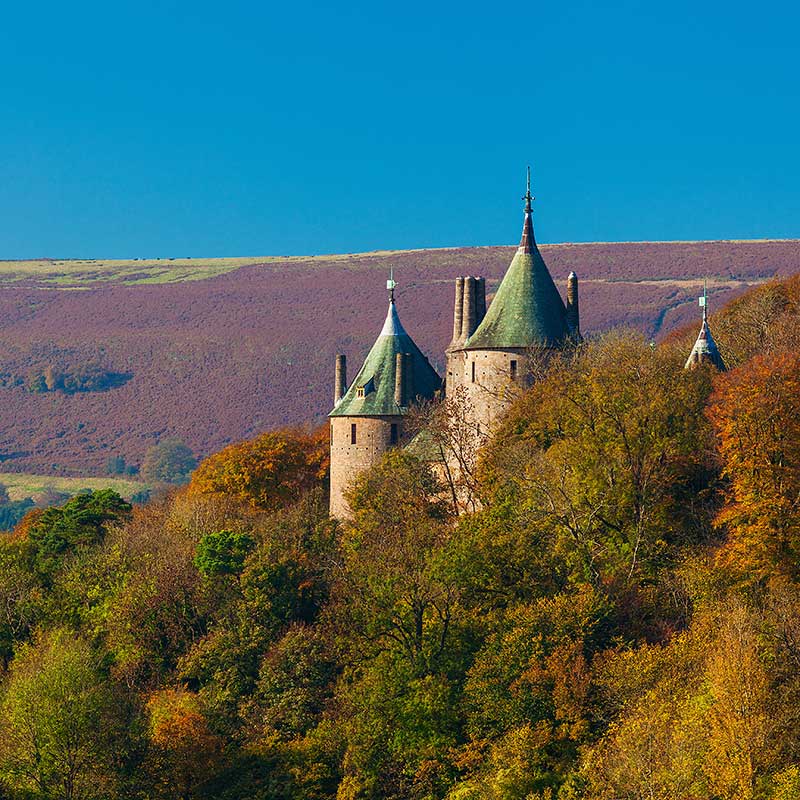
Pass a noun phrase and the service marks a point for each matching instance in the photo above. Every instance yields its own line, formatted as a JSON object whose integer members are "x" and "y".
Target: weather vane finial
{"x": 704, "y": 300}
{"x": 390, "y": 284}
{"x": 528, "y": 197}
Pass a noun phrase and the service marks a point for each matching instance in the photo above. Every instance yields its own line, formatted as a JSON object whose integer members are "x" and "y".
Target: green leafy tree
{"x": 283, "y": 583}
{"x": 169, "y": 461}
{"x": 57, "y": 722}
{"x": 80, "y": 522}
{"x": 223, "y": 553}
{"x": 397, "y": 617}
{"x": 607, "y": 457}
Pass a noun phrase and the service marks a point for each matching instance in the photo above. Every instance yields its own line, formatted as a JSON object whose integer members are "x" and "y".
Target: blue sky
{"x": 213, "y": 129}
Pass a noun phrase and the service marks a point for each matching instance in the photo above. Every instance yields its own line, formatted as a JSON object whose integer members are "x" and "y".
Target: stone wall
{"x": 486, "y": 382}
{"x": 348, "y": 460}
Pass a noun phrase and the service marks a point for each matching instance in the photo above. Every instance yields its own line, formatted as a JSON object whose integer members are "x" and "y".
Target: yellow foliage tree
{"x": 269, "y": 472}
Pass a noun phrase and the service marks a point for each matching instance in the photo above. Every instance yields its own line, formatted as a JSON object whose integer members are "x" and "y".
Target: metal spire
{"x": 704, "y": 301}
{"x": 527, "y": 244}
{"x": 390, "y": 284}
{"x": 528, "y": 197}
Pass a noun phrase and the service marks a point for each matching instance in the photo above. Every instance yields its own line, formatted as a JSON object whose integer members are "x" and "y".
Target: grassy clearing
{"x": 21, "y": 485}
{"x": 80, "y": 274}
{"x": 69, "y": 274}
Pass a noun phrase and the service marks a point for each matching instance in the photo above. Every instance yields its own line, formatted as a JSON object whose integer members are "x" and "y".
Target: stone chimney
{"x": 400, "y": 379}
{"x": 341, "y": 378}
{"x": 458, "y": 313}
{"x": 480, "y": 300}
{"x": 469, "y": 310}
{"x": 408, "y": 379}
{"x": 469, "y": 314}
{"x": 573, "y": 313}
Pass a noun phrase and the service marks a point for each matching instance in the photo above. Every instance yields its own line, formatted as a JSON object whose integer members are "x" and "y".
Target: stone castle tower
{"x": 368, "y": 417}
{"x": 491, "y": 349}
{"x": 705, "y": 350}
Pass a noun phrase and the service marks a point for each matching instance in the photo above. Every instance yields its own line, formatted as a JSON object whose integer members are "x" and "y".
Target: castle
{"x": 489, "y": 357}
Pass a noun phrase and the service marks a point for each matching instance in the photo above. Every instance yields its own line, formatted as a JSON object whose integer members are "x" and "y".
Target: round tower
{"x": 368, "y": 417}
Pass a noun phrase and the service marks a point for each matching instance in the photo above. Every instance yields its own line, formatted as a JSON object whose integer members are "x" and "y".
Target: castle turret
{"x": 527, "y": 313}
{"x": 705, "y": 350}
{"x": 369, "y": 417}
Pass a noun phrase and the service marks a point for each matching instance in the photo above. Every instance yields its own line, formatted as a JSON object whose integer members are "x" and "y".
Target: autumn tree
{"x": 608, "y": 456}
{"x": 528, "y": 696}
{"x": 269, "y": 472}
{"x": 184, "y": 752}
{"x": 19, "y": 597}
{"x": 756, "y": 412}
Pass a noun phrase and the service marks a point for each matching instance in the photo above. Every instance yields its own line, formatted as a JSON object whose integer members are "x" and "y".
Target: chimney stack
{"x": 468, "y": 323}
{"x": 470, "y": 309}
{"x": 341, "y": 378}
{"x": 480, "y": 300}
{"x": 458, "y": 313}
{"x": 408, "y": 384}
{"x": 400, "y": 379}
{"x": 573, "y": 314}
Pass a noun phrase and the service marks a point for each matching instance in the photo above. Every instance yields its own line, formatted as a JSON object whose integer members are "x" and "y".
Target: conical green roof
{"x": 372, "y": 392}
{"x": 527, "y": 309}
{"x": 705, "y": 350}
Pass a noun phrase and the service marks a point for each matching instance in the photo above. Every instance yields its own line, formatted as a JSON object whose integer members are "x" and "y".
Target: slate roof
{"x": 705, "y": 349}
{"x": 377, "y": 374}
{"x": 527, "y": 309}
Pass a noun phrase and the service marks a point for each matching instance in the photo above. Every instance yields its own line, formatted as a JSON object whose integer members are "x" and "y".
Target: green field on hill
{"x": 82, "y": 273}
{"x": 21, "y": 485}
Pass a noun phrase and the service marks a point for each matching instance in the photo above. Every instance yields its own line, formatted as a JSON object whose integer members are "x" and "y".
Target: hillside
{"x": 121, "y": 353}
{"x": 618, "y": 620}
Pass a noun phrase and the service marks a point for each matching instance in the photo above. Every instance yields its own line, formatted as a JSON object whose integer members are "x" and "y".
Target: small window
{"x": 513, "y": 370}
{"x": 353, "y": 433}
{"x": 367, "y": 388}
{"x": 393, "y": 434}
{"x": 473, "y": 372}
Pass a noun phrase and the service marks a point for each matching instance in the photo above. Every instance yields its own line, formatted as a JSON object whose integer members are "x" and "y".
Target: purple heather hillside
{"x": 220, "y": 359}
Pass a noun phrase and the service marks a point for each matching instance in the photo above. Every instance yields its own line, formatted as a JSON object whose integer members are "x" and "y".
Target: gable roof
{"x": 527, "y": 309}
{"x": 377, "y": 375}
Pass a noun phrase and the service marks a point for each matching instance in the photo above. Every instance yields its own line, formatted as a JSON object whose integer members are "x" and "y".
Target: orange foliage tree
{"x": 269, "y": 472}
{"x": 756, "y": 412}
{"x": 184, "y": 752}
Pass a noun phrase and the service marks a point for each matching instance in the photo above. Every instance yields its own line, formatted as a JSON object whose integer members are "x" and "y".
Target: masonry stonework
{"x": 373, "y": 437}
